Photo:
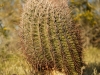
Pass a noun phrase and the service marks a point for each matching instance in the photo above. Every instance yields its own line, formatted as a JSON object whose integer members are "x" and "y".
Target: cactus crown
{"x": 51, "y": 39}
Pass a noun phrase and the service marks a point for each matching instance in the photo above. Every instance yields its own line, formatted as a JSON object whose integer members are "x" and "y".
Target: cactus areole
{"x": 51, "y": 40}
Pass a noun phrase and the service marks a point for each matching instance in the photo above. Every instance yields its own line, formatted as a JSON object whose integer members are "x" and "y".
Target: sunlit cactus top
{"x": 51, "y": 40}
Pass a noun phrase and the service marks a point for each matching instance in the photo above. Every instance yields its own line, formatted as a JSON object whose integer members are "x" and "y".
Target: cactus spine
{"x": 51, "y": 40}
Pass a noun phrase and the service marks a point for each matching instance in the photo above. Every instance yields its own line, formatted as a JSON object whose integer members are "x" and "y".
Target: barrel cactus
{"x": 50, "y": 39}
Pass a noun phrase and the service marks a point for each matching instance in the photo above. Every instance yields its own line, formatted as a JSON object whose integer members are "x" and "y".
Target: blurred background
{"x": 12, "y": 61}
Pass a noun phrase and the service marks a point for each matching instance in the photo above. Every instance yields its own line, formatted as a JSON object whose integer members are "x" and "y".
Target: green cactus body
{"x": 51, "y": 40}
